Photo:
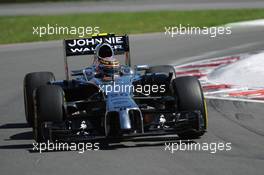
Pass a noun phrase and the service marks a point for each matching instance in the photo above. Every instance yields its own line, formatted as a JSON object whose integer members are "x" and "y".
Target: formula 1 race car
{"x": 111, "y": 100}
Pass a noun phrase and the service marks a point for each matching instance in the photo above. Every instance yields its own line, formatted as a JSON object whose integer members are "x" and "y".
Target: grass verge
{"x": 15, "y": 29}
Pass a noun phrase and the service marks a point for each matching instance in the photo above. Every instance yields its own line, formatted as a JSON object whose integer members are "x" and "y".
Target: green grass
{"x": 14, "y": 29}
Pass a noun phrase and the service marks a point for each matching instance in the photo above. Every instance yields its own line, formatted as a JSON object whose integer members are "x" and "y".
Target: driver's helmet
{"x": 108, "y": 65}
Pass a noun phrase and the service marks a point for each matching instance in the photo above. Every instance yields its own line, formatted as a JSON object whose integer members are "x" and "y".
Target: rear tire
{"x": 169, "y": 74}
{"x": 49, "y": 108}
{"x": 190, "y": 97}
{"x": 31, "y": 82}
{"x": 163, "y": 69}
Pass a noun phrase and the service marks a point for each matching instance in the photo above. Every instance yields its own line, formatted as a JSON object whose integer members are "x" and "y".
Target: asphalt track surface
{"x": 123, "y": 5}
{"x": 235, "y": 122}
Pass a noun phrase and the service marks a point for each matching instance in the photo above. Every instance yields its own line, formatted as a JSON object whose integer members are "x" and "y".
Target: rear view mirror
{"x": 141, "y": 67}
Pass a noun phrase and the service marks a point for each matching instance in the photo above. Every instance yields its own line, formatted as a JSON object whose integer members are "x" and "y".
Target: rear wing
{"x": 86, "y": 46}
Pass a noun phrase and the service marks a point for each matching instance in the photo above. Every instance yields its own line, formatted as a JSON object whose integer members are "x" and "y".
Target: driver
{"x": 107, "y": 65}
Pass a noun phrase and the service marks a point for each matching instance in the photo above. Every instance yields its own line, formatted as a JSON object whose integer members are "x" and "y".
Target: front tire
{"x": 49, "y": 108}
{"x": 31, "y": 82}
{"x": 190, "y": 97}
